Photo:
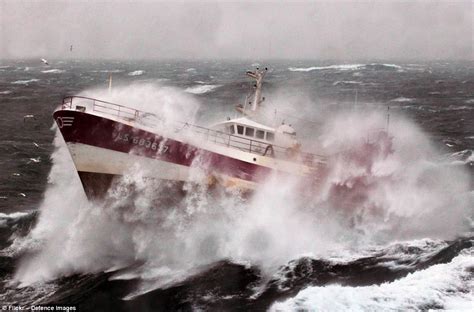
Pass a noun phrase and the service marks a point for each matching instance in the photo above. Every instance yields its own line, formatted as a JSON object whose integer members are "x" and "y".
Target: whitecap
{"x": 24, "y": 82}
{"x": 136, "y": 73}
{"x": 201, "y": 89}
{"x": 5, "y": 218}
{"x": 462, "y": 157}
{"x": 390, "y": 65}
{"x": 470, "y": 101}
{"x": 35, "y": 160}
{"x": 53, "y": 71}
{"x": 346, "y": 82}
{"x": 191, "y": 69}
{"x": 13, "y": 215}
{"x": 402, "y": 99}
{"x": 5, "y": 92}
{"x": 108, "y": 71}
{"x": 455, "y": 107}
{"x": 337, "y": 67}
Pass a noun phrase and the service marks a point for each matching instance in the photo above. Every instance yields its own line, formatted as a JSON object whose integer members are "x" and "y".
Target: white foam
{"x": 337, "y": 67}
{"x": 402, "y": 100}
{"x": 108, "y": 71}
{"x": 201, "y": 89}
{"x": 346, "y": 82}
{"x": 53, "y": 71}
{"x": 35, "y": 160}
{"x": 13, "y": 215}
{"x": 462, "y": 157}
{"x": 446, "y": 286}
{"x": 136, "y": 73}
{"x": 389, "y": 65}
{"x": 342, "y": 67}
{"x": 5, "y": 92}
{"x": 25, "y": 82}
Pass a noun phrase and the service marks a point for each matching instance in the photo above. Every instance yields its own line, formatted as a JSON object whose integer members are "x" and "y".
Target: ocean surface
{"x": 406, "y": 243}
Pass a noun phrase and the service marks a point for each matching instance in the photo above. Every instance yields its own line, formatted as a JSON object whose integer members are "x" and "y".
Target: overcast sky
{"x": 240, "y": 29}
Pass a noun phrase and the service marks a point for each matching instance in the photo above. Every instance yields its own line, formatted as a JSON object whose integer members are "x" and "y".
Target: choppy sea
{"x": 406, "y": 243}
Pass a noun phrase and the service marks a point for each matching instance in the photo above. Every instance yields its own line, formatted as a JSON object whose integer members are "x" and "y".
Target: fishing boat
{"x": 106, "y": 140}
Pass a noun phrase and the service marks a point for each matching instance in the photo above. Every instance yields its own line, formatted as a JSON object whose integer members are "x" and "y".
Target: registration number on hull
{"x": 146, "y": 143}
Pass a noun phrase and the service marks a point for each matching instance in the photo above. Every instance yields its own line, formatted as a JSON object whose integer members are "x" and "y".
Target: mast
{"x": 258, "y": 76}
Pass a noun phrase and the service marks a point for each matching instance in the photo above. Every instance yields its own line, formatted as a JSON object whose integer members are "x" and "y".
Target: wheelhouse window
{"x": 240, "y": 129}
{"x": 249, "y": 131}
{"x": 270, "y": 136}
{"x": 231, "y": 129}
{"x": 260, "y": 134}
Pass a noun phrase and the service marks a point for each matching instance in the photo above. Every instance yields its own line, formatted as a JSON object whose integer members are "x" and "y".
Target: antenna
{"x": 388, "y": 116}
{"x": 357, "y": 93}
{"x": 110, "y": 83}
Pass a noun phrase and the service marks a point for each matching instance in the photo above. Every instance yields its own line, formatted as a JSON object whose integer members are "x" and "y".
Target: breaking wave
{"x": 201, "y": 88}
{"x": 337, "y": 67}
{"x": 348, "y": 82}
{"x": 6, "y": 217}
{"x": 347, "y": 67}
{"x": 108, "y": 71}
{"x": 53, "y": 71}
{"x": 25, "y": 82}
{"x": 136, "y": 73}
{"x": 462, "y": 157}
{"x": 443, "y": 286}
{"x": 402, "y": 100}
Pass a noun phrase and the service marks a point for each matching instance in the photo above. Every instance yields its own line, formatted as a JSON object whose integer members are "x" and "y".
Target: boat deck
{"x": 132, "y": 115}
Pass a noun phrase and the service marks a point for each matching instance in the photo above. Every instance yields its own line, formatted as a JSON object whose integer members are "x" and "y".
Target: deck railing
{"x": 218, "y": 137}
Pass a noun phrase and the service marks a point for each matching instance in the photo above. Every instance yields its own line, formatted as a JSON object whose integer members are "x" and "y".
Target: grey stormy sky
{"x": 241, "y": 29}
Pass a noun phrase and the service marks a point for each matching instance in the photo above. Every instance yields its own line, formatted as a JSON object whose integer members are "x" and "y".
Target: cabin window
{"x": 240, "y": 129}
{"x": 270, "y": 136}
{"x": 249, "y": 131}
{"x": 231, "y": 129}
{"x": 260, "y": 134}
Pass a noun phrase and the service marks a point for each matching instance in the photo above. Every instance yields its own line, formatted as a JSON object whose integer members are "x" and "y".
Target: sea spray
{"x": 168, "y": 103}
{"x": 409, "y": 193}
{"x": 173, "y": 236}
